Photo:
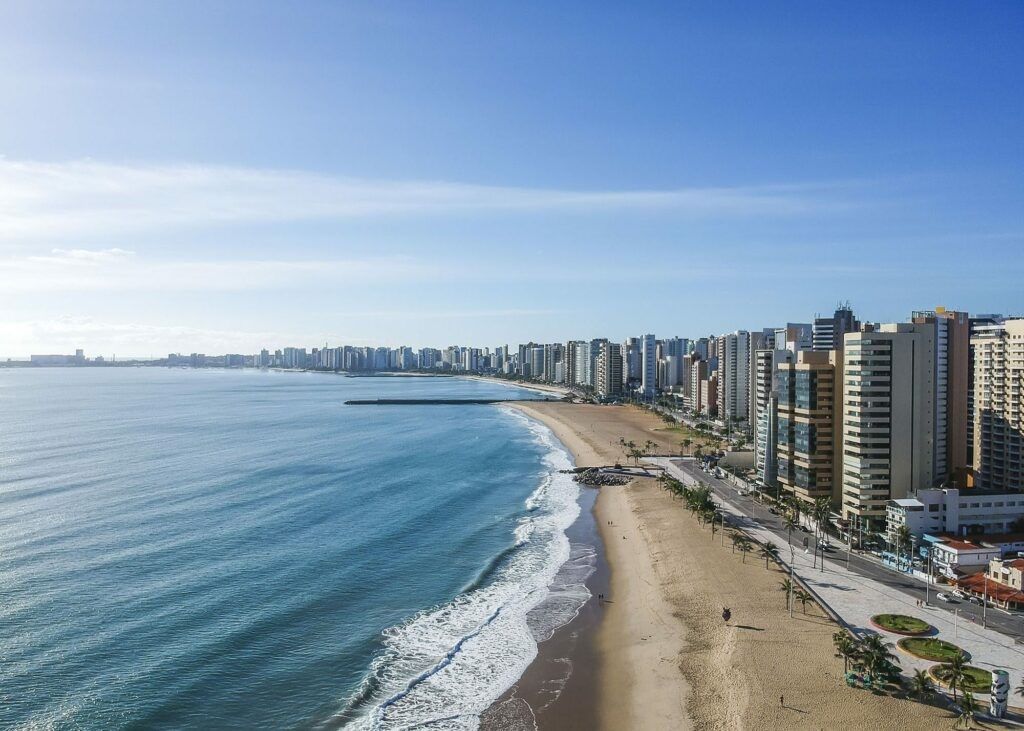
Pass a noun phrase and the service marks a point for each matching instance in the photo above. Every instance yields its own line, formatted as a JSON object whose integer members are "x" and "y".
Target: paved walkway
{"x": 856, "y": 598}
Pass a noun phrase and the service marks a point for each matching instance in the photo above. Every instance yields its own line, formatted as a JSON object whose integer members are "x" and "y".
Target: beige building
{"x": 998, "y": 406}
{"x": 809, "y": 431}
{"x": 888, "y": 418}
{"x": 952, "y": 348}
{"x": 608, "y": 378}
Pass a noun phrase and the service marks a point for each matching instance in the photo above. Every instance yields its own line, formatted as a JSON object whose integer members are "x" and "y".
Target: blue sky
{"x": 200, "y": 176}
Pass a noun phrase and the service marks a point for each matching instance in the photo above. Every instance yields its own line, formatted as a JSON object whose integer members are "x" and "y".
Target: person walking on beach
{"x": 782, "y": 701}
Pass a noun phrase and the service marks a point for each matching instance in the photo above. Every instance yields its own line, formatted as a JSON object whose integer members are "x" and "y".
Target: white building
{"x": 958, "y": 512}
{"x": 648, "y": 367}
{"x": 734, "y": 377}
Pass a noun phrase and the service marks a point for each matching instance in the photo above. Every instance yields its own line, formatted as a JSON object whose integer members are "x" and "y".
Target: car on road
{"x": 943, "y": 597}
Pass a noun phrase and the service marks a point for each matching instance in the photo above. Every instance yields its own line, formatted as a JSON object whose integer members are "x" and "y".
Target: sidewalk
{"x": 857, "y": 598}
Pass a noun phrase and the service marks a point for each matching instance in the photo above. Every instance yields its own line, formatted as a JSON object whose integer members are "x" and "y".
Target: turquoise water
{"x": 238, "y": 549}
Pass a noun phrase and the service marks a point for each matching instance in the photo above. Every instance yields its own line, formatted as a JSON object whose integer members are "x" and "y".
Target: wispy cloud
{"x": 89, "y": 198}
{"x": 116, "y": 270}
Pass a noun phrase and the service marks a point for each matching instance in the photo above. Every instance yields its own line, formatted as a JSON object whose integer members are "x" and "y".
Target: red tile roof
{"x": 997, "y": 591}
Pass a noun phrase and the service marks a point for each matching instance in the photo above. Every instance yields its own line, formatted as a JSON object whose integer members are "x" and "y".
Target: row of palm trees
{"x": 698, "y": 500}
{"x": 634, "y": 451}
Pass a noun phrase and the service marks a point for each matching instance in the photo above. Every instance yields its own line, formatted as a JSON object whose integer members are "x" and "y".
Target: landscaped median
{"x": 930, "y": 648}
{"x": 979, "y": 680}
{"x": 901, "y": 624}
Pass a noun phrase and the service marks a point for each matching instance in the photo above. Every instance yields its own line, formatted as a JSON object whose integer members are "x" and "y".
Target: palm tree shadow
{"x": 747, "y": 626}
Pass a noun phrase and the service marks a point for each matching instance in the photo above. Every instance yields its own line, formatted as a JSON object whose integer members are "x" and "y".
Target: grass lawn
{"x": 979, "y": 680}
{"x": 901, "y": 623}
{"x": 929, "y": 648}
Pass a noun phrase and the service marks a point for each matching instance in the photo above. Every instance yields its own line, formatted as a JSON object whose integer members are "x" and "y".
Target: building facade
{"x": 998, "y": 406}
{"x": 888, "y": 418}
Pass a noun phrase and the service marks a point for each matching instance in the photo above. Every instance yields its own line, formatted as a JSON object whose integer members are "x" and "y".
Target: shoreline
{"x": 538, "y": 387}
{"x": 635, "y": 638}
{"x": 662, "y": 656}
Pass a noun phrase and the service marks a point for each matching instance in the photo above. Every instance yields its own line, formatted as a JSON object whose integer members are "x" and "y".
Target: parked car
{"x": 959, "y": 593}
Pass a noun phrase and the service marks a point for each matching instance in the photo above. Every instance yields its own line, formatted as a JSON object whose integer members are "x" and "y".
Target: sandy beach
{"x": 665, "y": 659}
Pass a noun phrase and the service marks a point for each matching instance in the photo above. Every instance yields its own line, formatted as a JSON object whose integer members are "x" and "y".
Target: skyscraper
{"x": 809, "y": 431}
{"x": 734, "y": 377}
{"x": 829, "y": 331}
{"x": 888, "y": 417}
{"x": 609, "y": 371}
{"x": 952, "y": 348}
{"x": 648, "y": 367}
{"x": 999, "y": 405}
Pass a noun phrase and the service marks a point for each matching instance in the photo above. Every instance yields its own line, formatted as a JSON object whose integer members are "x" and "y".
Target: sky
{"x": 222, "y": 177}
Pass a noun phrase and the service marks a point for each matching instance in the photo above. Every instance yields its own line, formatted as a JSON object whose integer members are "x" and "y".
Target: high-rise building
{"x": 609, "y": 371}
{"x": 978, "y": 324}
{"x": 631, "y": 363}
{"x": 648, "y": 367}
{"x": 999, "y": 406}
{"x": 829, "y": 331}
{"x": 888, "y": 417}
{"x": 734, "y": 377}
{"x": 698, "y": 377}
{"x": 809, "y": 430}
{"x": 765, "y": 400}
{"x": 952, "y": 352}
{"x": 569, "y": 363}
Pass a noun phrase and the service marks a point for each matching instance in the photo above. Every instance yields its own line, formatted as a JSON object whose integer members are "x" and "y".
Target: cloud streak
{"x": 90, "y": 198}
{"x": 116, "y": 270}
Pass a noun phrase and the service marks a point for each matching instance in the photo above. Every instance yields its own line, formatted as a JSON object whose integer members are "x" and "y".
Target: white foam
{"x": 446, "y": 665}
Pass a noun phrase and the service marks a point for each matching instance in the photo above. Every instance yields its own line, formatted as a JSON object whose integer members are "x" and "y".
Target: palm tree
{"x": 846, "y": 648}
{"x": 921, "y": 685}
{"x": 968, "y": 707}
{"x": 770, "y": 552}
{"x": 902, "y": 539}
{"x": 789, "y": 523}
{"x": 1020, "y": 689}
{"x": 743, "y": 544}
{"x": 804, "y": 598}
{"x": 955, "y": 674}
{"x": 787, "y": 586}
{"x": 684, "y": 446}
{"x": 875, "y": 656}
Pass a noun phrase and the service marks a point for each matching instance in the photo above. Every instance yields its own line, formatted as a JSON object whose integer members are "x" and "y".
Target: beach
{"x": 659, "y": 654}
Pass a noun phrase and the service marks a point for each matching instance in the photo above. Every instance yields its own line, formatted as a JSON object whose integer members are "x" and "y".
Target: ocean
{"x": 239, "y": 549}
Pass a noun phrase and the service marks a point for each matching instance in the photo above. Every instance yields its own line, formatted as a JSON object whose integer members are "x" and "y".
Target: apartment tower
{"x": 888, "y": 418}
{"x": 998, "y": 406}
{"x": 809, "y": 429}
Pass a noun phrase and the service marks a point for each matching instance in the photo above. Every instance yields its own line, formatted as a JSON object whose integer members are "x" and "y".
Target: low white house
{"x": 957, "y": 512}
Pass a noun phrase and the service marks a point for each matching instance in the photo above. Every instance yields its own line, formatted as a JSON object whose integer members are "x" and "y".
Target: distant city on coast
{"x": 523, "y": 366}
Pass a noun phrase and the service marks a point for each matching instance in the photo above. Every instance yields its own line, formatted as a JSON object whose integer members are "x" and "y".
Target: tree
{"x": 903, "y": 535}
{"x": 875, "y": 656}
{"x": 743, "y": 544}
{"x": 804, "y": 598}
{"x": 684, "y": 446}
{"x": 787, "y": 586}
{"x": 955, "y": 673}
{"x": 789, "y": 523}
{"x": 921, "y": 685}
{"x": 968, "y": 709}
{"x": 846, "y": 648}
{"x": 770, "y": 552}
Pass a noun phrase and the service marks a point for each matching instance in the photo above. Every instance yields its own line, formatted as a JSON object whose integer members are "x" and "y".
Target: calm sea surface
{"x": 238, "y": 549}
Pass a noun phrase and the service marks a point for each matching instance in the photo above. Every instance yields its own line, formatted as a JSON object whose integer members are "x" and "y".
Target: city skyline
{"x": 203, "y": 183}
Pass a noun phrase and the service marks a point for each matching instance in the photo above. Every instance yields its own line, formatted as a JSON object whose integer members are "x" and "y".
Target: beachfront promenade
{"x": 851, "y": 594}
